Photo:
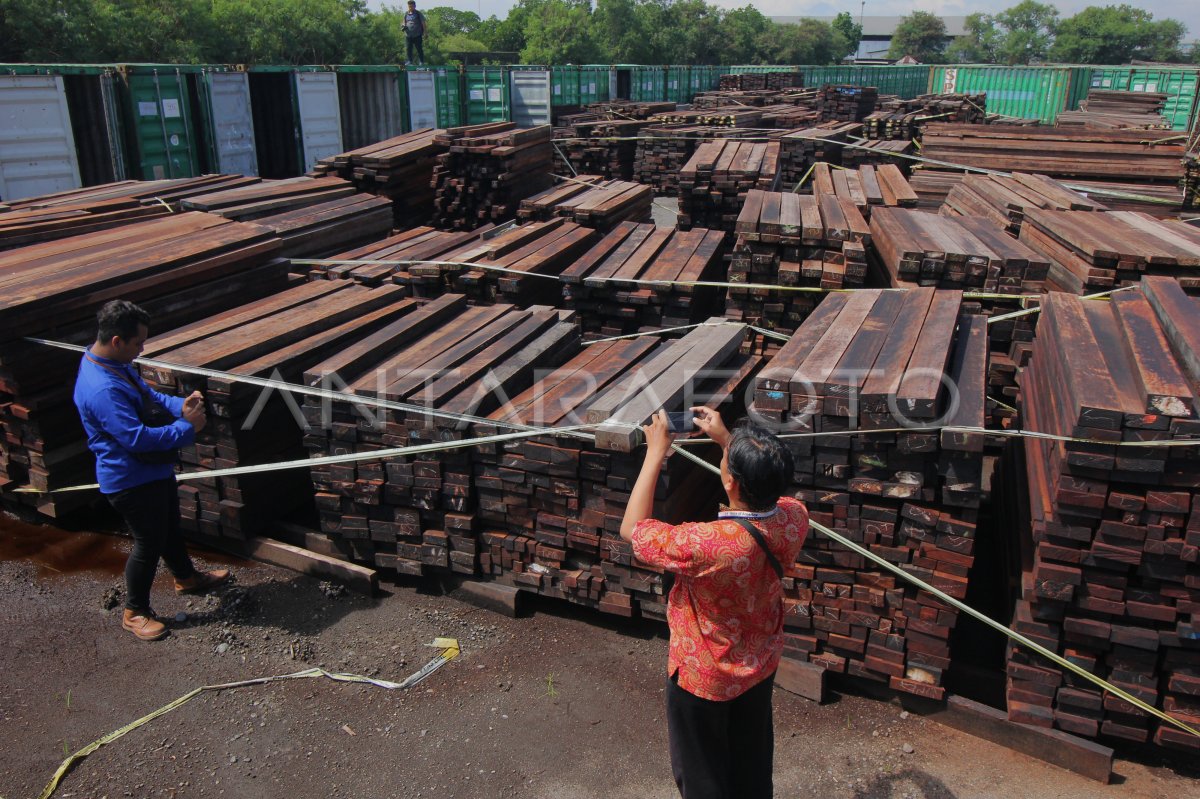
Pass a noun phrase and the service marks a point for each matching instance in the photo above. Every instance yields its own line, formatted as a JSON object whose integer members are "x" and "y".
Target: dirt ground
{"x": 562, "y": 703}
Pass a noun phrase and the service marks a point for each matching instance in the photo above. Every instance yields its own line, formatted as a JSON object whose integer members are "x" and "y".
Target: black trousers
{"x": 722, "y": 750}
{"x": 152, "y": 513}
{"x": 419, "y": 43}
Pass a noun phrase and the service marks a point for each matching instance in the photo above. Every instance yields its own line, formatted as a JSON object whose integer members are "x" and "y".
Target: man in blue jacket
{"x": 135, "y": 433}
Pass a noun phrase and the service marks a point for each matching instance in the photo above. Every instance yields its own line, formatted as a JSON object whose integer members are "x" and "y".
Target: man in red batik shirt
{"x": 726, "y": 608}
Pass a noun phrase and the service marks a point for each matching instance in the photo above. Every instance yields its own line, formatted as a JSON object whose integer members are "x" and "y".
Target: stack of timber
{"x": 721, "y": 117}
{"x": 789, "y": 117}
{"x": 1111, "y": 121}
{"x": 610, "y": 285}
{"x": 878, "y": 152}
{"x": 1093, "y": 252}
{"x": 312, "y": 217}
{"x": 598, "y": 147}
{"x": 916, "y": 248}
{"x": 1004, "y": 199}
{"x": 906, "y": 119}
{"x": 911, "y": 498}
{"x": 800, "y": 149}
{"x": 276, "y": 338}
{"x": 1191, "y": 181}
{"x": 73, "y": 213}
{"x": 592, "y": 202}
{"x": 747, "y": 81}
{"x": 865, "y": 188}
{"x": 483, "y": 178}
{"x": 627, "y": 109}
{"x": 550, "y": 508}
{"x": 793, "y": 240}
{"x": 408, "y": 514}
{"x": 1118, "y": 155}
{"x": 180, "y": 268}
{"x": 661, "y": 153}
{"x": 714, "y": 181}
{"x": 525, "y": 261}
{"x": 805, "y": 98}
{"x": 400, "y": 168}
{"x": 933, "y": 186}
{"x": 1111, "y": 556}
{"x": 846, "y": 103}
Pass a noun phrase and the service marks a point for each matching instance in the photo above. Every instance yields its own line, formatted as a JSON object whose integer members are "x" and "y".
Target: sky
{"x": 1186, "y": 11}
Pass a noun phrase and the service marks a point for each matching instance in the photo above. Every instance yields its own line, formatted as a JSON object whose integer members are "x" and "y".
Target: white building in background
{"x": 877, "y": 32}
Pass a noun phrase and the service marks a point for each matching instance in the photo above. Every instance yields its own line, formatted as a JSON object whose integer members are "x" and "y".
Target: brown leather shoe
{"x": 144, "y": 625}
{"x": 201, "y": 582}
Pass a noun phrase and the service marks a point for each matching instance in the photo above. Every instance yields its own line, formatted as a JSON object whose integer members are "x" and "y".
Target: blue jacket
{"x": 108, "y": 406}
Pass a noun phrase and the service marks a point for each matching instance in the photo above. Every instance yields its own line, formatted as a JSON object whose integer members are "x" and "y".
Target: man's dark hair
{"x": 120, "y": 318}
{"x": 761, "y": 465}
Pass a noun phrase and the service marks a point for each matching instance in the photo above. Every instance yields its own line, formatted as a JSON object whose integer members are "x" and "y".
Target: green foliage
{"x": 921, "y": 35}
{"x": 1028, "y": 31}
{"x": 849, "y": 30}
{"x": 979, "y": 45}
{"x": 559, "y": 32}
{"x": 1116, "y": 34}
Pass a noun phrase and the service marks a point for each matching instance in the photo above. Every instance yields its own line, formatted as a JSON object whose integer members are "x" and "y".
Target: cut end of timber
{"x": 503, "y": 599}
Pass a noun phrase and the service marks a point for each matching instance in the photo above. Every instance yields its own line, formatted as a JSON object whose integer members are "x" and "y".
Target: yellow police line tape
{"x": 450, "y": 650}
{"x": 1012, "y": 634}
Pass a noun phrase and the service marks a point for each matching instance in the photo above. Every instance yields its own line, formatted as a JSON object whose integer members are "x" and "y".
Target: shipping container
{"x": 699, "y": 79}
{"x": 595, "y": 82}
{"x": 529, "y": 95}
{"x": 226, "y": 121}
{"x": 742, "y": 69}
{"x": 905, "y": 81}
{"x": 564, "y": 87}
{"x": 163, "y": 134}
{"x": 297, "y": 118}
{"x": 434, "y": 97}
{"x": 486, "y": 93}
{"x": 1024, "y": 92}
{"x": 37, "y": 145}
{"x": 648, "y": 84}
{"x": 1180, "y": 84}
{"x": 372, "y": 103}
{"x": 679, "y": 89}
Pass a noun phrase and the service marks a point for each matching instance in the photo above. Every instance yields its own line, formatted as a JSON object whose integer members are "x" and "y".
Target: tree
{"x": 850, "y": 31}
{"x": 559, "y": 33}
{"x": 743, "y": 30}
{"x": 1028, "y": 32}
{"x": 1114, "y": 35}
{"x": 921, "y": 35}
{"x": 808, "y": 42}
{"x": 980, "y": 43}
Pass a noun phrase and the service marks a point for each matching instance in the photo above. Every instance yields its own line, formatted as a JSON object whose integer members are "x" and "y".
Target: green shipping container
{"x": 679, "y": 88}
{"x": 434, "y": 97}
{"x": 906, "y": 82}
{"x": 1025, "y": 92}
{"x": 648, "y": 84}
{"x": 743, "y": 69}
{"x": 594, "y": 84}
{"x": 161, "y": 133}
{"x": 485, "y": 92}
{"x": 564, "y": 86}
{"x": 1180, "y": 84}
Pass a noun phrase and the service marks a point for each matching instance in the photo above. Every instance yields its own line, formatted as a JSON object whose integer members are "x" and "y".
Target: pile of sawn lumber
{"x": 180, "y": 268}
{"x": 906, "y": 119}
{"x": 1004, "y": 199}
{"x": 400, "y": 168}
{"x": 484, "y": 176}
{"x": 1092, "y": 252}
{"x": 878, "y": 152}
{"x": 78, "y": 211}
{"x": 800, "y": 149}
{"x": 846, "y": 103}
{"x": 866, "y": 188}
{"x": 714, "y": 181}
{"x": 787, "y": 239}
{"x": 276, "y": 338}
{"x": 550, "y": 508}
{"x": 631, "y": 279}
{"x": 598, "y": 146}
{"x": 591, "y": 201}
{"x": 911, "y": 497}
{"x": 1112, "y": 581}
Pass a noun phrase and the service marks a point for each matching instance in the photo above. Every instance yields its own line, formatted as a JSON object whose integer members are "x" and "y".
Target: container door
{"x": 37, "y": 147}
{"x": 422, "y": 100}
{"x": 163, "y": 130}
{"x": 372, "y": 107}
{"x": 230, "y": 122}
{"x": 487, "y": 98}
{"x": 320, "y": 116}
{"x": 531, "y": 97}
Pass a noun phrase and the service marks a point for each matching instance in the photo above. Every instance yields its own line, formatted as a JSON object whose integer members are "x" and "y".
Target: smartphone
{"x": 681, "y": 421}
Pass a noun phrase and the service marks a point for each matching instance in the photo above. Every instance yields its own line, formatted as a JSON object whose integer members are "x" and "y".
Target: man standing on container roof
{"x": 414, "y": 29}
{"x": 725, "y": 610}
{"x": 135, "y": 433}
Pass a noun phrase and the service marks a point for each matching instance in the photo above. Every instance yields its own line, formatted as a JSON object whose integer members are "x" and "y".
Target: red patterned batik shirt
{"x": 726, "y": 609}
